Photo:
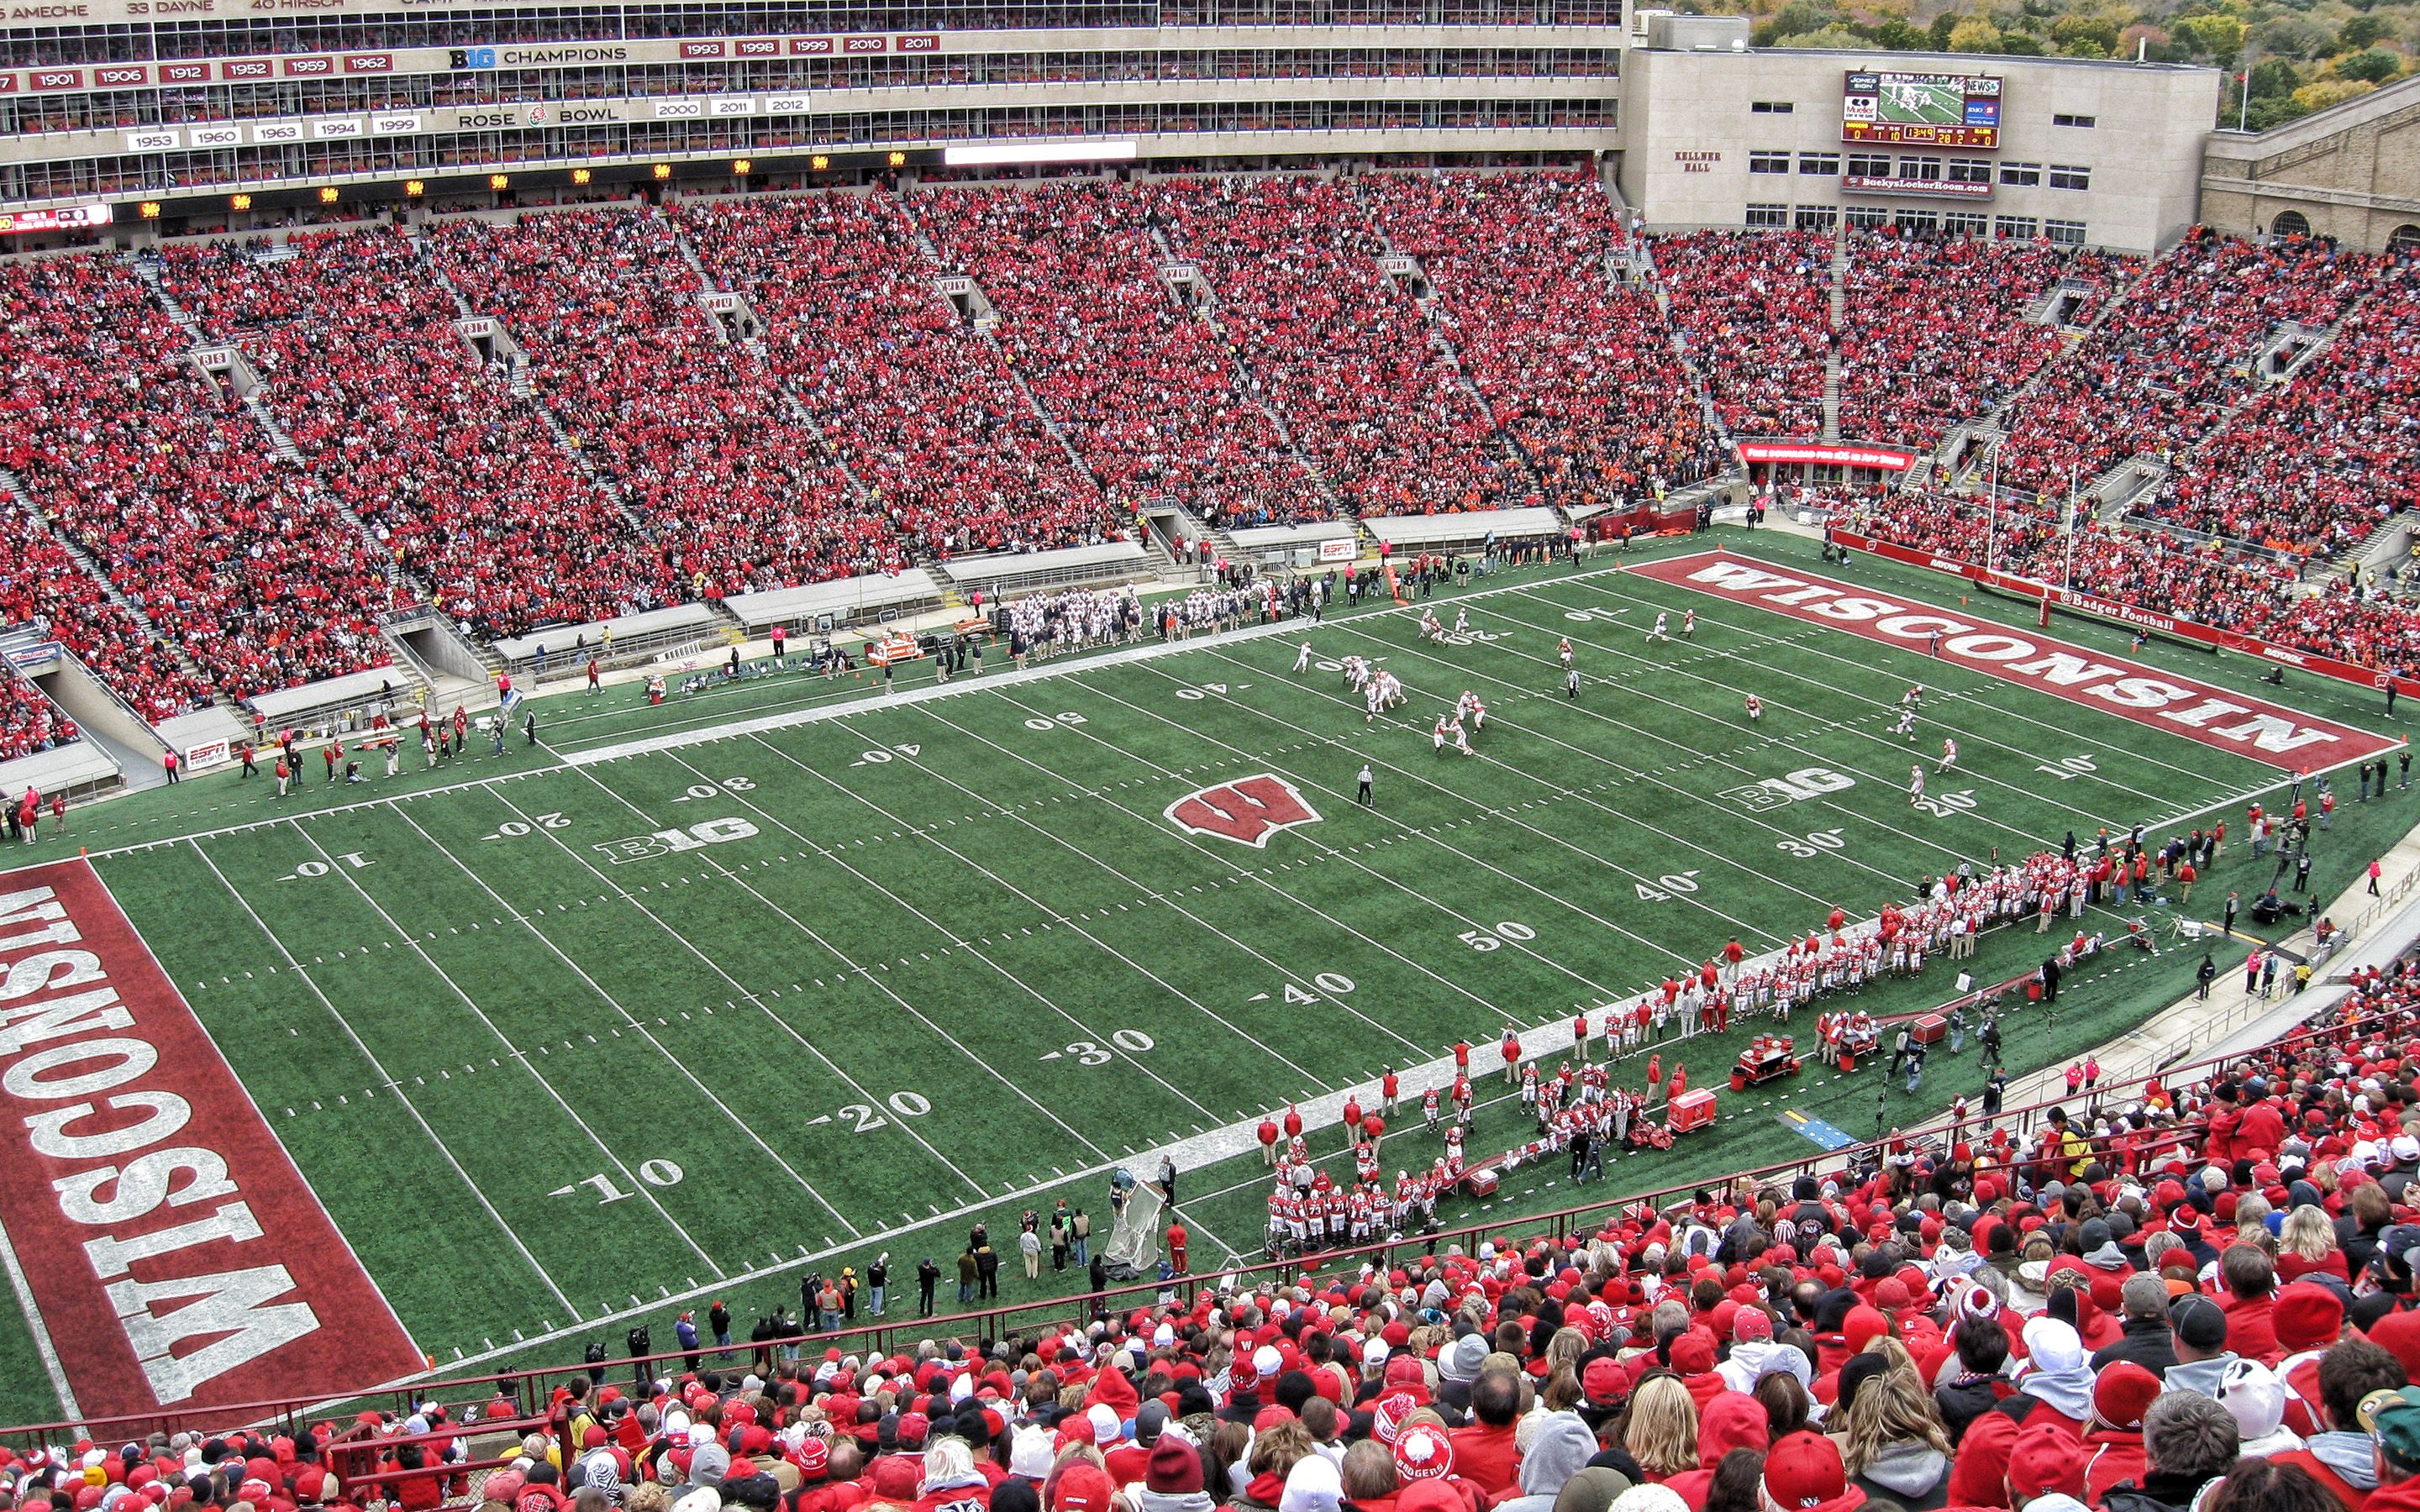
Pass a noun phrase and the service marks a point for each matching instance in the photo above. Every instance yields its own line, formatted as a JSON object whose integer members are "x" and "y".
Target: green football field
{"x": 695, "y": 1000}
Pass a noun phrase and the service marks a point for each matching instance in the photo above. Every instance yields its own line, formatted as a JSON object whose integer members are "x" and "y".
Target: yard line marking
{"x": 715, "y": 967}
{"x": 1006, "y": 975}
{"x": 1926, "y": 842}
{"x": 1814, "y": 645}
{"x": 1136, "y": 967}
{"x": 1851, "y": 728}
{"x": 1148, "y": 896}
{"x": 1407, "y": 890}
{"x": 1607, "y": 862}
{"x": 630, "y": 1020}
{"x": 476, "y": 1190}
{"x": 1240, "y": 871}
{"x": 1880, "y": 705}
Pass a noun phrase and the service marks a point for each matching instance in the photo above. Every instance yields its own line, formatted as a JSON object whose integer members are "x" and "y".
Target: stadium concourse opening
{"x": 962, "y": 735}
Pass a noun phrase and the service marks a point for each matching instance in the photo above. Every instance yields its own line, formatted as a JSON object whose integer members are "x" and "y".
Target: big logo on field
{"x": 1246, "y": 811}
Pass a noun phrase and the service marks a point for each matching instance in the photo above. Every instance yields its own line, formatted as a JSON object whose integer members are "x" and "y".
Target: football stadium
{"x": 1146, "y": 757}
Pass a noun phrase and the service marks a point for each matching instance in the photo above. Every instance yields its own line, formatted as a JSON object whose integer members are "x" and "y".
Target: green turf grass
{"x": 946, "y": 960}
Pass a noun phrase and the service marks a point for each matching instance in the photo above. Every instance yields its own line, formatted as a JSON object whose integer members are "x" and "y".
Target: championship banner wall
{"x": 2217, "y": 717}
{"x": 167, "y": 1251}
{"x": 2103, "y": 608}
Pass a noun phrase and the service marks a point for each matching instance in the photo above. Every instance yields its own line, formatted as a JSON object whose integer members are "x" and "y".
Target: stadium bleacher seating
{"x": 1937, "y": 331}
{"x": 176, "y": 496}
{"x": 1757, "y": 309}
{"x": 920, "y": 408}
{"x": 2317, "y": 463}
{"x": 396, "y": 415}
{"x": 1335, "y": 346}
{"x": 731, "y": 485}
{"x": 2164, "y": 1296}
{"x": 1576, "y": 369}
{"x": 1141, "y": 387}
{"x": 861, "y": 421}
{"x": 2160, "y": 372}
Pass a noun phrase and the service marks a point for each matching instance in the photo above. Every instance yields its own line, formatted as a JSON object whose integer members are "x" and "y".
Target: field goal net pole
{"x": 1133, "y": 1250}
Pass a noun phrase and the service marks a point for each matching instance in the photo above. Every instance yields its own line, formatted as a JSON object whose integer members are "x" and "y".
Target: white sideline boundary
{"x": 1189, "y": 1154}
{"x": 1064, "y": 665}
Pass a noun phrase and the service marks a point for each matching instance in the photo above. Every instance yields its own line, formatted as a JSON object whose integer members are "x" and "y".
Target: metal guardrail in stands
{"x": 364, "y": 1449}
{"x": 2138, "y": 518}
{"x": 529, "y": 1389}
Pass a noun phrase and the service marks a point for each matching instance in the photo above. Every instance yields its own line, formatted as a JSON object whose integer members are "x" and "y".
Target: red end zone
{"x": 172, "y": 1254}
{"x": 2222, "y": 720}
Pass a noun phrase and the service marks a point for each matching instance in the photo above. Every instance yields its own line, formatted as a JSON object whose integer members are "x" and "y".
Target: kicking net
{"x": 1133, "y": 1248}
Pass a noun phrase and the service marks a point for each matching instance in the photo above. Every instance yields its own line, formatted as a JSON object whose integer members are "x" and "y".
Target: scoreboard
{"x": 1938, "y": 110}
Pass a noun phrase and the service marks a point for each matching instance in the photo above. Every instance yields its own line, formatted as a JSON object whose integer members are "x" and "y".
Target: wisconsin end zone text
{"x": 160, "y": 1239}
{"x": 2215, "y": 717}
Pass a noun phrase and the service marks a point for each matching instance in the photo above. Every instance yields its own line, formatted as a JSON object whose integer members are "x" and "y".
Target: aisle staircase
{"x": 1204, "y": 307}
{"x": 1840, "y": 300}
{"x": 14, "y": 486}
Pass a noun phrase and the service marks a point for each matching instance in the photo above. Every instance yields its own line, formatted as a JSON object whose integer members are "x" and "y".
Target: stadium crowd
{"x": 2317, "y": 463}
{"x": 1936, "y": 331}
{"x": 1577, "y": 370}
{"x": 401, "y": 419}
{"x": 1143, "y": 388}
{"x": 1335, "y": 345}
{"x": 851, "y": 413}
{"x": 725, "y": 477}
{"x": 30, "y": 722}
{"x": 2163, "y": 367}
{"x": 2196, "y": 1298}
{"x": 1757, "y": 309}
{"x": 2202, "y": 580}
{"x": 921, "y": 407}
{"x": 173, "y": 490}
